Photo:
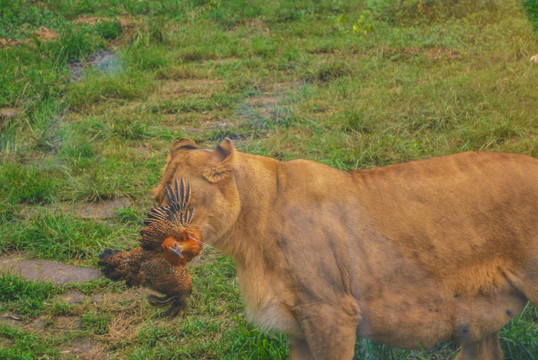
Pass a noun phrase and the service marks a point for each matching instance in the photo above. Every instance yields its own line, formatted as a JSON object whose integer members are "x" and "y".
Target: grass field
{"x": 93, "y": 92}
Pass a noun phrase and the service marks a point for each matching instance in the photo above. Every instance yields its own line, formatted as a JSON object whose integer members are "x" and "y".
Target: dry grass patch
{"x": 123, "y": 328}
{"x": 65, "y": 324}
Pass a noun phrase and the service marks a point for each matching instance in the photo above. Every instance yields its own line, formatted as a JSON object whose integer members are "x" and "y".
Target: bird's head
{"x": 172, "y": 250}
{"x": 172, "y": 245}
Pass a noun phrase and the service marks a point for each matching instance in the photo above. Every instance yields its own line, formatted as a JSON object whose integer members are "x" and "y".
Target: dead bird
{"x": 167, "y": 244}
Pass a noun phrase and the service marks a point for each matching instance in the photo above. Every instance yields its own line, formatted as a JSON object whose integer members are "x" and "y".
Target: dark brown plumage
{"x": 168, "y": 243}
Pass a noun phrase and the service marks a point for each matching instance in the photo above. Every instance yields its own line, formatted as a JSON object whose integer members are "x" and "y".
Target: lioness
{"x": 407, "y": 255}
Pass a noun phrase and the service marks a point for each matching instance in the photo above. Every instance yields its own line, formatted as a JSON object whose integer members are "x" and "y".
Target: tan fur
{"x": 407, "y": 255}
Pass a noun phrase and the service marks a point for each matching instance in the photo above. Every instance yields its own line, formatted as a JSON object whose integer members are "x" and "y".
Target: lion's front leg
{"x": 488, "y": 348}
{"x": 299, "y": 349}
{"x": 329, "y": 330}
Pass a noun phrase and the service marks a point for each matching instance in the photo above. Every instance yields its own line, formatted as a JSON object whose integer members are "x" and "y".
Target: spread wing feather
{"x": 169, "y": 220}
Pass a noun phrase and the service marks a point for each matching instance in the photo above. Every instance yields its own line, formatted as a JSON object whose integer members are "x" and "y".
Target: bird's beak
{"x": 176, "y": 249}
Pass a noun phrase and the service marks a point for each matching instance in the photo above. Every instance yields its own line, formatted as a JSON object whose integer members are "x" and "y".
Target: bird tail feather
{"x": 176, "y": 303}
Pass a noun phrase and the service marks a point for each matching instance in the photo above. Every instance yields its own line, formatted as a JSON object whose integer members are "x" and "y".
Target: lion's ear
{"x": 220, "y": 171}
{"x": 225, "y": 148}
{"x": 183, "y": 143}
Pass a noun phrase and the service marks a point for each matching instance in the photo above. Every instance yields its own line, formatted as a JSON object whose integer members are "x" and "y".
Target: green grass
{"x": 19, "y": 184}
{"x": 24, "y": 297}
{"x": 25, "y": 346}
{"x": 102, "y": 88}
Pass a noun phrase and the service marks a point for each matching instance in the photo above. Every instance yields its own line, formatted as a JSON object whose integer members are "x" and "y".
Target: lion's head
{"x": 210, "y": 175}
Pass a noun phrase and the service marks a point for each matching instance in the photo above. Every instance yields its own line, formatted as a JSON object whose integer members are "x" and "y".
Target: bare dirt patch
{"x": 45, "y": 33}
{"x": 9, "y": 42}
{"x": 46, "y": 270}
{"x": 9, "y": 113}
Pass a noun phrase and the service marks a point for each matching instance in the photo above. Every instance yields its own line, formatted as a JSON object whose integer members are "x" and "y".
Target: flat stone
{"x": 84, "y": 349}
{"x": 99, "y": 210}
{"x": 76, "y": 346}
{"x": 46, "y": 270}
{"x": 73, "y": 297}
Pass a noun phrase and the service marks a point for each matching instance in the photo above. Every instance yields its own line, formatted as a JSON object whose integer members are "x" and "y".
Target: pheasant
{"x": 167, "y": 244}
